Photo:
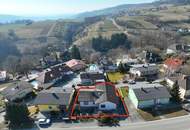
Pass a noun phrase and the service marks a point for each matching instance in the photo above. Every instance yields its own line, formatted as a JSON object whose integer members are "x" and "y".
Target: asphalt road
{"x": 179, "y": 123}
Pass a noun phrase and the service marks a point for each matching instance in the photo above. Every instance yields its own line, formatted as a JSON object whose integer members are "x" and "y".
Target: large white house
{"x": 3, "y": 76}
{"x": 142, "y": 70}
{"x": 102, "y": 98}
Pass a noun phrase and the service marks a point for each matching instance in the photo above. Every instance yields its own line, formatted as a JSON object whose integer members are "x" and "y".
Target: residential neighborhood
{"x": 76, "y": 65}
{"x": 75, "y": 90}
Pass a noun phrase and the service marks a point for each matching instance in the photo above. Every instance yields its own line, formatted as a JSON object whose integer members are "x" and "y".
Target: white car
{"x": 44, "y": 122}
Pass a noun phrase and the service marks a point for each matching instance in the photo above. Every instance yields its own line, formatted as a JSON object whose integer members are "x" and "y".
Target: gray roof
{"x": 11, "y": 91}
{"x": 109, "y": 94}
{"x": 151, "y": 93}
{"x": 89, "y": 95}
{"x": 102, "y": 94}
{"x": 54, "y": 96}
{"x": 146, "y": 68}
{"x": 53, "y": 72}
{"x": 92, "y": 76}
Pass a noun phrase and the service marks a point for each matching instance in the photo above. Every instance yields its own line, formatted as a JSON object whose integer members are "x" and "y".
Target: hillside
{"x": 114, "y": 10}
{"x": 146, "y": 25}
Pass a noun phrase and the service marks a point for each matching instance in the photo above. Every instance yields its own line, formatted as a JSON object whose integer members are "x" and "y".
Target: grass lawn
{"x": 174, "y": 113}
{"x": 115, "y": 76}
{"x": 148, "y": 116}
{"x": 123, "y": 91}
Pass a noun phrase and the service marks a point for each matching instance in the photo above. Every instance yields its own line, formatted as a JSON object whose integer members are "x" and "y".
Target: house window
{"x": 85, "y": 103}
{"x": 103, "y": 106}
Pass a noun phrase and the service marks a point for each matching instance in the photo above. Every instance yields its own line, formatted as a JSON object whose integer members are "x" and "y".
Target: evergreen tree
{"x": 175, "y": 92}
{"x": 75, "y": 53}
{"x": 121, "y": 68}
{"x": 17, "y": 114}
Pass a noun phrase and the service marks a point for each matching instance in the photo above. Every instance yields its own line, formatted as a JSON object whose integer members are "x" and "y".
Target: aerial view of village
{"x": 76, "y": 65}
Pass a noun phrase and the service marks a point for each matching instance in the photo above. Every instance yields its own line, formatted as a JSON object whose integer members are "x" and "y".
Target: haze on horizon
{"x": 58, "y": 7}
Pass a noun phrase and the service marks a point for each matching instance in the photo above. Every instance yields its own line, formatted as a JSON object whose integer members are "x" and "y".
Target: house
{"x": 183, "y": 82}
{"x": 146, "y": 95}
{"x": 54, "y": 74}
{"x": 101, "y": 98}
{"x": 93, "y": 68}
{"x": 76, "y": 65}
{"x": 144, "y": 70}
{"x": 54, "y": 100}
{"x": 172, "y": 65}
{"x": 91, "y": 78}
{"x": 3, "y": 76}
{"x": 150, "y": 57}
{"x": 17, "y": 90}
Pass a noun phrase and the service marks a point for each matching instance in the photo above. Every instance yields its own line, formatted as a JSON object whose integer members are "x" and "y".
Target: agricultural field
{"x": 104, "y": 28}
{"x": 135, "y": 22}
{"x": 28, "y": 31}
{"x": 34, "y": 30}
{"x": 6, "y": 28}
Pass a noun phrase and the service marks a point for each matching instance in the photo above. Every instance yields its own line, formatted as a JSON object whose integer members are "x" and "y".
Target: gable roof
{"x": 109, "y": 94}
{"x": 16, "y": 88}
{"x": 92, "y": 76}
{"x": 102, "y": 93}
{"x": 54, "y": 96}
{"x": 74, "y": 62}
{"x": 53, "y": 72}
{"x": 89, "y": 95}
{"x": 151, "y": 93}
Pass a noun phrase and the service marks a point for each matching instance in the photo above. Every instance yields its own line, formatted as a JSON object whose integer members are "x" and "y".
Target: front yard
{"x": 150, "y": 115}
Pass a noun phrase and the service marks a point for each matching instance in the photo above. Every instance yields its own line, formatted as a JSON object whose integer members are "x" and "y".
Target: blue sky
{"x": 56, "y": 7}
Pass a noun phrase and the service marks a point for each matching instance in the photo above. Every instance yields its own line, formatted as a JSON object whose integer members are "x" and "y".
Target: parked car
{"x": 131, "y": 82}
{"x": 44, "y": 122}
{"x": 186, "y": 107}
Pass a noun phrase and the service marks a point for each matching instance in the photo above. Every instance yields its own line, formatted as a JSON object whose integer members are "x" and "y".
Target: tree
{"x": 75, "y": 53}
{"x": 11, "y": 64}
{"x": 17, "y": 114}
{"x": 121, "y": 68}
{"x": 26, "y": 64}
{"x": 175, "y": 92}
{"x": 103, "y": 44}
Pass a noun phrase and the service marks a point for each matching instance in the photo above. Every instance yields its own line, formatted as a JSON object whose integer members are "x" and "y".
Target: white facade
{"x": 107, "y": 106}
{"x": 3, "y": 75}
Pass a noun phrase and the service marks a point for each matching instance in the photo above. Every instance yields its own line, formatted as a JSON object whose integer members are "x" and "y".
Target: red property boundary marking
{"x": 98, "y": 115}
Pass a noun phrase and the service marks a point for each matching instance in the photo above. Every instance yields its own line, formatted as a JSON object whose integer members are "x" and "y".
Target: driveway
{"x": 133, "y": 114}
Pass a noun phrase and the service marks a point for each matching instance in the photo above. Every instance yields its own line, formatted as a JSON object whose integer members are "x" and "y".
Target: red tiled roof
{"x": 74, "y": 62}
{"x": 173, "y": 63}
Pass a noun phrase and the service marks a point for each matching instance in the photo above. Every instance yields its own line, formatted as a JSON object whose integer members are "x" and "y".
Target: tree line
{"x": 102, "y": 44}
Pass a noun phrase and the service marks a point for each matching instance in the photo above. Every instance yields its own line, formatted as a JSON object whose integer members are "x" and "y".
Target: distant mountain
{"x": 13, "y": 18}
{"x": 9, "y": 18}
{"x": 113, "y": 10}
{"x": 178, "y": 2}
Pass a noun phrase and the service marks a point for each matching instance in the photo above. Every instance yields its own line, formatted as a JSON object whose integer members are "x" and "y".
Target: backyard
{"x": 115, "y": 76}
